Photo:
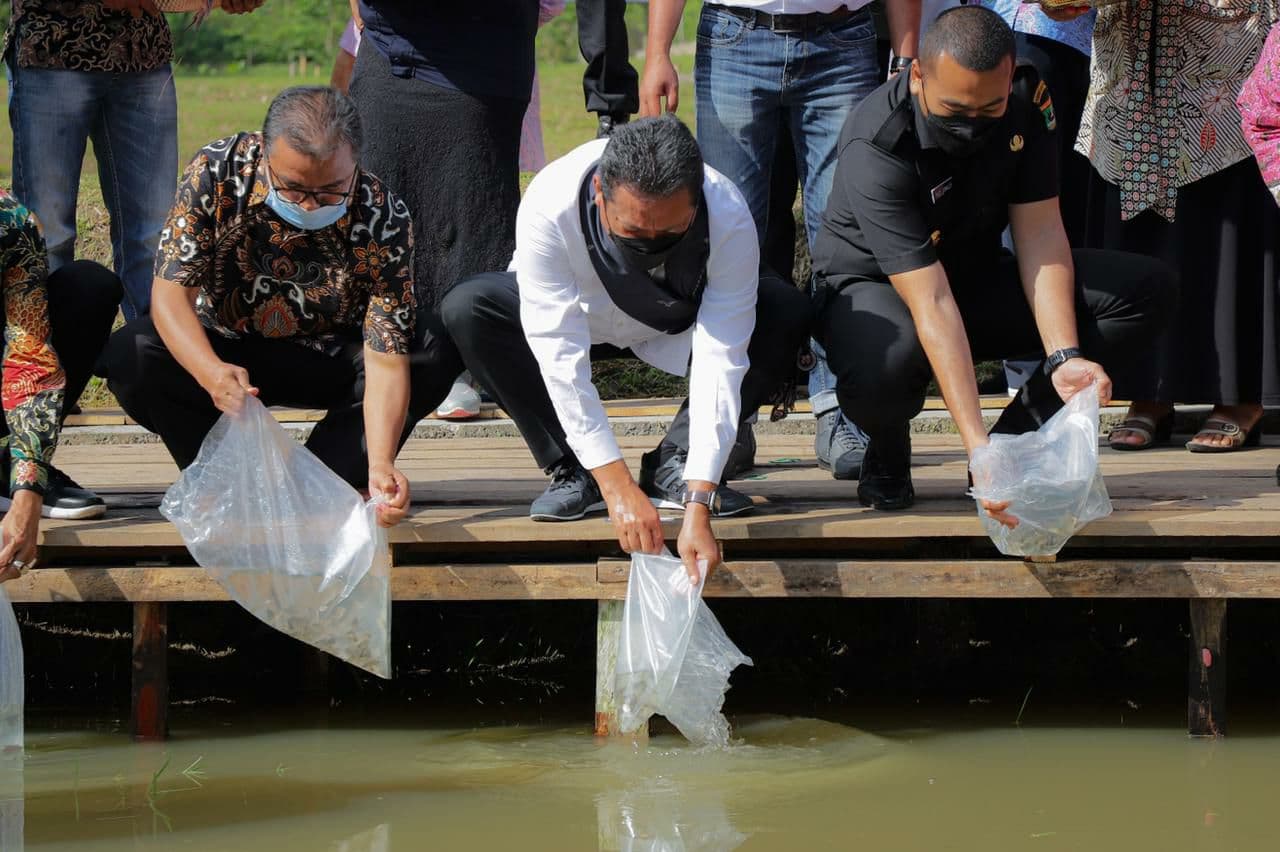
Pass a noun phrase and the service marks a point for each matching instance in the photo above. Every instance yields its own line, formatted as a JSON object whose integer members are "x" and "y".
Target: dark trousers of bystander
{"x": 1123, "y": 301}
{"x": 610, "y": 85}
{"x": 483, "y": 316}
{"x": 164, "y": 398}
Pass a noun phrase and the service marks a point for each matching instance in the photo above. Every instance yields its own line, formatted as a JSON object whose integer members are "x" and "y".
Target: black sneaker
{"x": 886, "y": 473}
{"x": 64, "y": 499}
{"x": 840, "y": 446}
{"x": 572, "y": 494}
{"x": 607, "y": 123}
{"x": 743, "y": 455}
{"x": 665, "y": 486}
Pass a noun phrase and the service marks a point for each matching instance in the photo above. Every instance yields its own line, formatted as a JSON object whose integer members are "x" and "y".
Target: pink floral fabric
{"x": 1259, "y": 104}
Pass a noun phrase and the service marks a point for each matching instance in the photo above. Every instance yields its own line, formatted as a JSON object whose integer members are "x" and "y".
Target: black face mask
{"x": 642, "y": 254}
{"x": 962, "y": 135}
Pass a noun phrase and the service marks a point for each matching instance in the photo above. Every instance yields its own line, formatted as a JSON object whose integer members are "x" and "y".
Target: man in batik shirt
{"x": 285, "y": 272}
{"x": 54, "y": 328}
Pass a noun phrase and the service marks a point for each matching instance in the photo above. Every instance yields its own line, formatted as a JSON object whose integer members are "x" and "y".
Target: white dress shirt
{"x": 565, "y": 308}
{"x": 794, "y": 7}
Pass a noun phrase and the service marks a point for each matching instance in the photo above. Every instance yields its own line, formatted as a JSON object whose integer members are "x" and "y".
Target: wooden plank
{"x": 1002, "y": 578}
{"x": 790, "y": 578}
{"x": 149, "y": 715}
{"x": 608, "y": 635}
{"x": 1207, "y": 671}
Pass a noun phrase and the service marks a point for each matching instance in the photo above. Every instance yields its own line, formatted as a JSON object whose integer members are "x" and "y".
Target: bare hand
{"x": 1065, "y": 14}
{"x": 697, "y": 544}
{"x": 19, "y": 533}
{"x": 980, "y": 475}
{"x": 635, "y": 520}
{"x": 660, "y": 80}
{"x": 228, "y": 385}
{"x": 393, "y": 487}
{"x": 999, "y": 510}
{"x": 1076, "y": 375}
{"x": 240, "y": 7}
{"x": 136, "y": 8}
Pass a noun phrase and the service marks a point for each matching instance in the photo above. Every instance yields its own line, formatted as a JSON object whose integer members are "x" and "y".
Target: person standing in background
{"x": 1175, "y": 179}
{"x": 610, "y": 84}
{"x": 97, "y": 70}
{"x": 442, "y": 96}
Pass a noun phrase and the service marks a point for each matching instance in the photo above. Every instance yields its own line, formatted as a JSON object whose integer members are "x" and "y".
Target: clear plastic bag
{"x": 11, "y": 685}
{"x": 1050, "y": 477}
{"x": 287, "y": 538}
{"x": 674, "y": 659}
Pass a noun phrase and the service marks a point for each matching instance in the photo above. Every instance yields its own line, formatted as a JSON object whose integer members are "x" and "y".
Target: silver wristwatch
{"x": 709, "y": 498}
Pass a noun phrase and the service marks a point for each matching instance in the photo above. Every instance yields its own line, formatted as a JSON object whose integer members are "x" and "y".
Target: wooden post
{"x": 150, "y": 714}
{"x": 1207, "y": 673}
{"x": 608, "y": 634}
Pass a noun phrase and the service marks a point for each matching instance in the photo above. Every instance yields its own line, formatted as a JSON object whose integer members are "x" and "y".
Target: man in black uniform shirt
{"x": 912, "y": 275}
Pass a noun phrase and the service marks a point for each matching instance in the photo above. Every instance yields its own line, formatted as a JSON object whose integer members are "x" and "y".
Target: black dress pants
{"x": 482, "y": 315}
{"x": 610, "y": 84}
{"x": 83, "y": 300}
{"x": 165, "y": 399}
{"x": 1123, "y": 302}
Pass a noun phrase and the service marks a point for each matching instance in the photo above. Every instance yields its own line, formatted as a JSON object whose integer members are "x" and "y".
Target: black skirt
{"x": 454, "y": 159}
{"x": 1223, "y": 346}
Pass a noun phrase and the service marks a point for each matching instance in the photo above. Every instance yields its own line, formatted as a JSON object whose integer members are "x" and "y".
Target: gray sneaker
{"x": 665, "y": 486}
{"x": 572, "y": 494}
{"x": 839, "y": 445}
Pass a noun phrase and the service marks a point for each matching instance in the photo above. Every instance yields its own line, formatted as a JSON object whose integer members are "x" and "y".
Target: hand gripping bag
{"x": 674, "y": 659}
{"x": 1050, "y": 477}
{"x": 287, "y": 538}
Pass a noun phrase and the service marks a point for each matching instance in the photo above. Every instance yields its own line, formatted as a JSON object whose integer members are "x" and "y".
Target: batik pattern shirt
{"x": 1259, "y": 104}
{"x": 1161, "y": 112}
{"x": 83, "y": 35}
{"x": 32, "y": 381}
{"x": 259, "y": 275}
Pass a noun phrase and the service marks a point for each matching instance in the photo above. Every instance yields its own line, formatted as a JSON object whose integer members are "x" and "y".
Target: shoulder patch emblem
{"x": 1040, "y": 90}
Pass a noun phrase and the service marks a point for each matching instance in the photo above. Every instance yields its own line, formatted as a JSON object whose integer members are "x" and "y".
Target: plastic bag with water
{"x": 1050, "y": 477}
{"x": 287, "y": 538}
{"x": 674, "y": 659}
{"x": 11, "y": 686}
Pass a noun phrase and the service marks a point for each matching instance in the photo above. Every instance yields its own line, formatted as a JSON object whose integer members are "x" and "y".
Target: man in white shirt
{"x": 632, "y": 247}
{"x": 769, "y": 69}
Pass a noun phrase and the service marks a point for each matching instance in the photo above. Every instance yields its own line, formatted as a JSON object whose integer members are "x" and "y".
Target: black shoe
{"x": 572, "y": 494}
{"x": 607, "y": 123}
{"x": 65, "y": 500}
{"x": 664, "y": 484}
{"x": 840, "y": 446}
{"x": 886, "y": 474}
{"x": 742, "y": 457}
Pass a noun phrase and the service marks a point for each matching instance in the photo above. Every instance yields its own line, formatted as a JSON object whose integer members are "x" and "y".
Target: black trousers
{"x": 1123, "y": 301}
{"x": 1066, "y": 71}
{"x": 83, "y": 300}
{"x": 164, "y": 398}
{"x": 610, "y": 84}
{"x": 482, "y": 315}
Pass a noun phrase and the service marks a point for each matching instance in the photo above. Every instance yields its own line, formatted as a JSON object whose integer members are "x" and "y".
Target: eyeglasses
{"x": 322, "y": 197}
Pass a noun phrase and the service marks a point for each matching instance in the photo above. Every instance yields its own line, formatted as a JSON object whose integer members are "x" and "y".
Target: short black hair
{"x": 654, "y": 157}
{"x": 974, "y": 36}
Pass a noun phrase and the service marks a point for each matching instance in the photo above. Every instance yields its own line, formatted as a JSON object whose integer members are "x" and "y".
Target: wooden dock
{"x": 1201, "y": 527}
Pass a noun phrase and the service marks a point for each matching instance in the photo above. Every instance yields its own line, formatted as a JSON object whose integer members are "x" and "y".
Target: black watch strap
{"x": 1062, "y": 356}
{"x": 900, "y": 63}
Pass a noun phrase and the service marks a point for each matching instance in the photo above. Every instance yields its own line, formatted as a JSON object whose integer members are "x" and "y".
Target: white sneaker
{"x": 462, "y": 403}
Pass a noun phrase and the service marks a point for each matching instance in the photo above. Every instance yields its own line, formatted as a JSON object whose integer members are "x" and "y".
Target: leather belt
{"x": 809, "y": 22}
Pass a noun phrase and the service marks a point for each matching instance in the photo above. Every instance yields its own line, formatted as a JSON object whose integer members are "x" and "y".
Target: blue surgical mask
{"x": 307, "y": 220}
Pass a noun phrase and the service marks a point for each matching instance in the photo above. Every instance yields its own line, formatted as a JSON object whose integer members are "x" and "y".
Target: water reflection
{"x": 374, "y": 840}
{"x": 12, "y": 806}
{"x": 664, "y": 818}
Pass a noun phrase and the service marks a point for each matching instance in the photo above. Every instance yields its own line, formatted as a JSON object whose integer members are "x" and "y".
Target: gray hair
{"x": 654, "y": 157}
{"x": 314, "y": 120}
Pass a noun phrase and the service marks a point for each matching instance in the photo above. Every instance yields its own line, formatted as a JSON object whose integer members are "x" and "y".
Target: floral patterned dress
{"x": 1259, "y": 104}
{"x": 32, "y": 381}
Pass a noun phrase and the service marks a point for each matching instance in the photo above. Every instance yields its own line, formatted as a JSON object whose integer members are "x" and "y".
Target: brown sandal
{"x": 1220, "y": 426}
{"x": 1153, "y": 431}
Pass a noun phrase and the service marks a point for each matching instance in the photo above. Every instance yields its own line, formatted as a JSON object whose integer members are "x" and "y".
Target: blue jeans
{"x": 132, "y": 120}
{"x": 750, "y": 82}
